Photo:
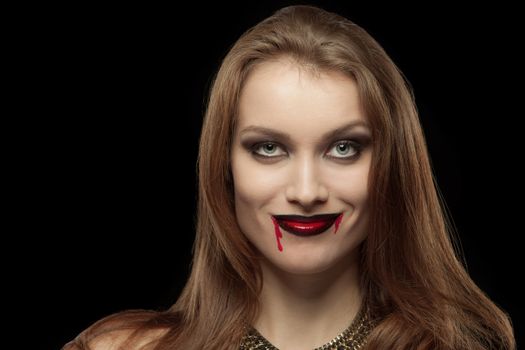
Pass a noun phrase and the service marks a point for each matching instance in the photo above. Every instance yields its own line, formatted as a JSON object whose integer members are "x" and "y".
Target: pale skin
{"x": 310, "y": 288}
{"x": 294, "y": 151}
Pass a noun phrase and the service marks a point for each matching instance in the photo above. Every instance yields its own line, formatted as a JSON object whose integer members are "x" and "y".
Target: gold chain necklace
{"x": 352, "y": 338}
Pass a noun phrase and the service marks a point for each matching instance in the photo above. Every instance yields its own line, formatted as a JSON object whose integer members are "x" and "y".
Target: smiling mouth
{"x": 306, "y": 225}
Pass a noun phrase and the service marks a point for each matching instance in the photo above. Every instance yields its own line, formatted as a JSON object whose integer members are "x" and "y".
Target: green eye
{"x": 344, "y": 150}
{"x": 268, "y": 149}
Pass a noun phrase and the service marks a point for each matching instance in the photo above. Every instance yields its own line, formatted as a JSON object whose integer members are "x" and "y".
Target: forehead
{"x": 285, "y": 94}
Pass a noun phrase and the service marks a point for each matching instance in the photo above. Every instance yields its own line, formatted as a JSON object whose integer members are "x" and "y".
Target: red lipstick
{"x": 307, "y": 225}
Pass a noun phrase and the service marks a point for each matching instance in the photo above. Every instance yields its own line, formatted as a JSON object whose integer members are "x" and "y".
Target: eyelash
{"x": 352, "y": 143}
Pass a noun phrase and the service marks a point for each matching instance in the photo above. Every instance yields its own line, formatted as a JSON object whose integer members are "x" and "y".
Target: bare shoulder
{"x": 119, "y": 340}
{"x": 129, "y": 330}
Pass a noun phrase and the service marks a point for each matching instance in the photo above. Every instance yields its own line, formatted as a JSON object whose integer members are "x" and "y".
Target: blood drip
{"x": 338, "y": 222}
{"x": 278, "y": 234}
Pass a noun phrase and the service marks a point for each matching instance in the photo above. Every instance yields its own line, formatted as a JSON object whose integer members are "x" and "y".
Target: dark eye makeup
{"x": 348, "y": 149}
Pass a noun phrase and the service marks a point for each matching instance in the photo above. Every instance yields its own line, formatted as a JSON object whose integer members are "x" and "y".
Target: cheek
{"x": 254, "y": 188}
{"x": 253, "y": 185}
{"x": 350, "y": 184}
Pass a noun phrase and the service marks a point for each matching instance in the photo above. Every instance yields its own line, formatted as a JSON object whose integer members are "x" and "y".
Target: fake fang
{"x": 279, "y": 234}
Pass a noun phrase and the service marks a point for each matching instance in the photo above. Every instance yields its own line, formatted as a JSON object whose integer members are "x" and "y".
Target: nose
{"x": 305, "y": 186}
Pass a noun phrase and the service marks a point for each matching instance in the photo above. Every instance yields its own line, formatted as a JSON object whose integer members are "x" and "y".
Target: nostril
{"x": 307, "y": 195}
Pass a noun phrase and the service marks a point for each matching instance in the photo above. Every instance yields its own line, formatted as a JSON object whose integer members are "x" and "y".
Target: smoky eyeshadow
{"x": 249, "y": 142}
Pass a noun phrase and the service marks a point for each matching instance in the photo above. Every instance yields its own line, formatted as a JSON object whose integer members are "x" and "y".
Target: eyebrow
{"x": 336, "y": 133}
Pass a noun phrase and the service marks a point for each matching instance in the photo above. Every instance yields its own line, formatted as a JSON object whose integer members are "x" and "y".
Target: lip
{"x": 306, "y": 225}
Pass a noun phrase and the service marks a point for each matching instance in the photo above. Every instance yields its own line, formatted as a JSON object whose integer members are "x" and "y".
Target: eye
{"x": 268, "y": 150}
{"x": 345, "y": 149}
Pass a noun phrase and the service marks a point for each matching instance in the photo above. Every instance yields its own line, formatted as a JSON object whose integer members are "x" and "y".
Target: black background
{"x": 123, "y": 90}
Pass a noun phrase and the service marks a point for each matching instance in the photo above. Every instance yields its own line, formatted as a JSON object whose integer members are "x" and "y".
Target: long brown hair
{"x": 414, "y": 283}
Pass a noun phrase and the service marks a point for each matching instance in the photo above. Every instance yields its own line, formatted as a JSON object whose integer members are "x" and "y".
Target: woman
{"x": 319, "y": 225}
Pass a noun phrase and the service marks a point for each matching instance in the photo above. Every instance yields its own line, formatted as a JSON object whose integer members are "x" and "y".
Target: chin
{"x": 303, "y": 270}
{"x": 299, "y": 263}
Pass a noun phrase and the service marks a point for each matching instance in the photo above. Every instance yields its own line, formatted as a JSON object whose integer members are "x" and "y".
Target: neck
{"x": 307, "y": 311}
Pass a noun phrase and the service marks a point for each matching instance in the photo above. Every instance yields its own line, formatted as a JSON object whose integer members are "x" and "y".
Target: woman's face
{"x": 300, "y": 160}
